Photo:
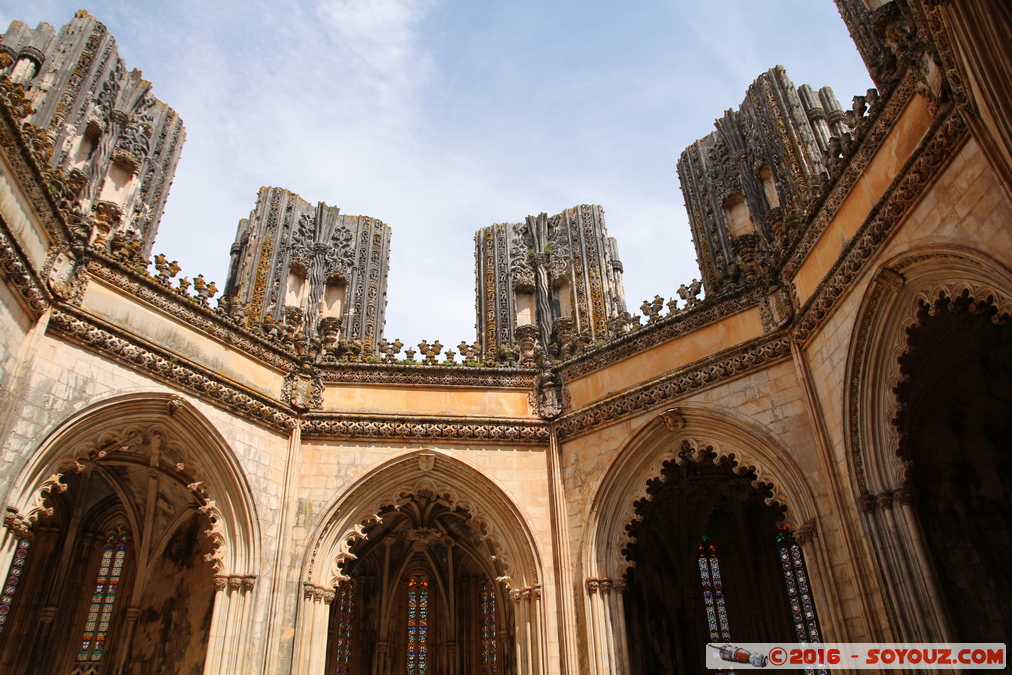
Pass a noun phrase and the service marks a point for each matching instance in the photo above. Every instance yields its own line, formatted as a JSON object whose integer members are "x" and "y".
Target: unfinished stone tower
{"x": 560, "y": 274}
{"x": 749, "y": 185}
{"x": 117, "y": 144}
{"x": 317, "y": 272}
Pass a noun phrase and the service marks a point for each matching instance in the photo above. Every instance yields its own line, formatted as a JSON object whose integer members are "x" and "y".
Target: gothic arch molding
{"x": 492, "y": 511}
{"x": 428, "y": 474}
{"x": 185, "y": 439}
{"x": 890, "y": 307}
{"x": 679, "y": 435}
{"x": 905, "y": 293}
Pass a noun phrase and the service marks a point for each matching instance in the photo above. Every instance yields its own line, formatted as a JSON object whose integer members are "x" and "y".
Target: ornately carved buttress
{"x": 310, "y": 269}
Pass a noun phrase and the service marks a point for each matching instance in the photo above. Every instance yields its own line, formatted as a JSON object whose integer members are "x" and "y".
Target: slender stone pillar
{"x": 229, "y": 633}
{"x": 607, "y": 626}
{"x": 314, "y": 621}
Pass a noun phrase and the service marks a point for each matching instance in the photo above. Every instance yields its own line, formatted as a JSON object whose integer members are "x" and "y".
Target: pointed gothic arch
{"x": 512, "y": 557}
{"x": 680, "y": 436}
{"x": 158, "y": 444}
{"x": 910, "y": 296}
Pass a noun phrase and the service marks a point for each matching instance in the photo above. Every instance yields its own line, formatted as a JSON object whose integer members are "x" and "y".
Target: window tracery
{"x": 802, "y": 608}
{"x": 488, "y": 647}
{"x": 345, "y": 612}
{"x": 96, "y": 626}
{"x": 713, "y": 592}
{"x": 418, "y": 624}
{"x": 13, "y": 577}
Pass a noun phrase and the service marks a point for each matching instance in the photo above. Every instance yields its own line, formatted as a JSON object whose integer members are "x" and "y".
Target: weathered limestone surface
{"x": 275, "y": 457}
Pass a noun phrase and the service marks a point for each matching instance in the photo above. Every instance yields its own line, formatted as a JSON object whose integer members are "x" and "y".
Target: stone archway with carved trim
{"x": 507, "y": 547}
{"x": 149, "y": 451}
{"x": 678, "y": 436}
{"x": 907, "y": 295}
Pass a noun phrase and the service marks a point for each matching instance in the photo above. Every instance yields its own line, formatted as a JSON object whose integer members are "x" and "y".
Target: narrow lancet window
{"x": 13, "y": 577}
{"x": 99, "y": 617}
{"x": 713, "y": 592}
{"x": 488, "y": 648}
{"x": 418, "y": 624}
{"x": 802, "y": 608}
{"x": 345, "y": 612}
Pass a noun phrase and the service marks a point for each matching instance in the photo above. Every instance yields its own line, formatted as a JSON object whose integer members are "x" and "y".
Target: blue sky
{"x": 439, "y": 117}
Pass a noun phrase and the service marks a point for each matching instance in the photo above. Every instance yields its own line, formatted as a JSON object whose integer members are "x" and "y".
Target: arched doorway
{"x": 707, "y": 567}
{"x": 116, "y": 578}
{"x": 420, "y": 596}
{"x": 129, "y": 532}
{"x": 696, "y": 536}
{"x": 955, "y": 425}
{"x": 929, "y": 408}
{"x": 423, "y": 531}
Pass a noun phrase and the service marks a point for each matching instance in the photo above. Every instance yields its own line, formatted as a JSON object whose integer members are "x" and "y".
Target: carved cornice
{"x": 18, "y": 272}
{"x": 885, "y": 117}
{"x": 186, "y": 310}
{"x": 459, "y": 376}
{"x": 154, "y": 362}
{"x": 704, "y": 373}
{"x": 945, "y": 137}
{"x": 450, "y": 429}
{"x": 670, "y": 327}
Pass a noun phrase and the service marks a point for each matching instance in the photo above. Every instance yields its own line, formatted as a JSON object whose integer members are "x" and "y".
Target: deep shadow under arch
{"x": 698, "y": 503}
{"x": 955, "y": 424}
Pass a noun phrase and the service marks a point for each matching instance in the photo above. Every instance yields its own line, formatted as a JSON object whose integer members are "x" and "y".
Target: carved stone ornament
{"x": 303, "y": 389}
{"x": 776, "y": 309}
{"x": 63, "y": 275}
{"x": 426, "y": 461}
{"x": 17, "y": 524}
{"x": 673, "y": 419}
{"x": 550, "y": 401}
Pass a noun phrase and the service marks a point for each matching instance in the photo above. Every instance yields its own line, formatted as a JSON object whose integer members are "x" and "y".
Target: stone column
{"x": 619, "y": 588}
{"x": 520, "y": 617}
{"x": 314, "y": 621}
{"x": 607, "y": 626}
{"x": 537, "y": 651}
{"x": 908, "y": 570}
{"x": 229, "y": 633}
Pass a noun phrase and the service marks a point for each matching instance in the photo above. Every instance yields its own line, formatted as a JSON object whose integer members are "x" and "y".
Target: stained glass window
{"x": 96, "y": 625}
{"x": 418, "y": 624}
{"x": 806, "y": 624}
{"x": 345, "y": 608}
{"x": 488, "y": 649}
{"x": 713, "y": 592}
{"x": 13, "y": 577}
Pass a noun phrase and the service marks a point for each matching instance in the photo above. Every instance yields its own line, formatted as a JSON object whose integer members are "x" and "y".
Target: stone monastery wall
{"x": 274, "y": 486}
